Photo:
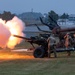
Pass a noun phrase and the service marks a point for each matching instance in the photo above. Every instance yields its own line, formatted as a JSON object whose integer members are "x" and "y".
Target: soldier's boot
{"x": 55, "y": 54}
{"x": 49, "y": 54}
{"x": 69, "y": 53}
{"x": 54, "y": 50}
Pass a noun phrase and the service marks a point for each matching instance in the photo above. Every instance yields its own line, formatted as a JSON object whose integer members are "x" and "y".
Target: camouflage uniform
{"x": 51, "y": 41}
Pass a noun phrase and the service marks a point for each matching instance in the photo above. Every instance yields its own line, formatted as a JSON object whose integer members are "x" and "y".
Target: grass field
{"x": 45, "y": 66}
{"x": 62, "y": 65}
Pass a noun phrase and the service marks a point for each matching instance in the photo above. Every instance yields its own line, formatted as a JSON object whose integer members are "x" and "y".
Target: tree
{"x": 53, "y": 15}
{"x": 64, "y": 16}
{"x": 7, "y": 16}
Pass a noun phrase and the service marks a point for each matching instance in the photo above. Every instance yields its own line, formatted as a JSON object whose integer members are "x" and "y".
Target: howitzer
{"x": 42, "y": 50}
{"x": 33, "y": 40}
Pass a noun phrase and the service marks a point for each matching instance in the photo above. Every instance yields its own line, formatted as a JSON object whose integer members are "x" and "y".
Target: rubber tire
{"x": 39, "y": 52}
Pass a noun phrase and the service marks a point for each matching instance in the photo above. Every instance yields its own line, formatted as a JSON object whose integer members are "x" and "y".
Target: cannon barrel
{"x": 67, "y": 30}
{"x": 59, "y": 30}
{"x": 21, "y": 37}
{"x": 39, "y": 41}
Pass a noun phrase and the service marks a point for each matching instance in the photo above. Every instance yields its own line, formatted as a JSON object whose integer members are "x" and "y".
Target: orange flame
{"x": 11, "y": 55}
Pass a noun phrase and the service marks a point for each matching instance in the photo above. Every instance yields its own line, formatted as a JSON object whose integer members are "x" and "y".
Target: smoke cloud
{"x": 8, "y": 29}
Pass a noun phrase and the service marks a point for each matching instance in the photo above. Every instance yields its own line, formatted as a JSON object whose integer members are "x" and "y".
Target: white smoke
{"x": 9, "y": 28}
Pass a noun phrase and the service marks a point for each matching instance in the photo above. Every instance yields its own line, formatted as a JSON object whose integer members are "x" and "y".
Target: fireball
{"x": 8, "y": 29}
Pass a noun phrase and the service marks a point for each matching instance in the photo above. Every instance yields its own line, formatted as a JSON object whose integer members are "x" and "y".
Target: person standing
{"x": 67, "y": 42}
{"x": 51, "y": 42}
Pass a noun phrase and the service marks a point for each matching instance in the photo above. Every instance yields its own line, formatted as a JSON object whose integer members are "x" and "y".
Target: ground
{"x": 23, "y": 63}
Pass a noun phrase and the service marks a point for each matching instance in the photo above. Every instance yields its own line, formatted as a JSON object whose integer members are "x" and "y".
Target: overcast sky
{"x": 43, "y": 6}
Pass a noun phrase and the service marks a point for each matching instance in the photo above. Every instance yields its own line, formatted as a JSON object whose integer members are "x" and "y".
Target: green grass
{"x": 63, "y": 65}
{"x": 45, "y": 66}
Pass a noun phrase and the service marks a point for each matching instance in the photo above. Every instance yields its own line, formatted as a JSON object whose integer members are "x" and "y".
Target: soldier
{"x": 51, "y": 41}
{"x": 67, "y": 42}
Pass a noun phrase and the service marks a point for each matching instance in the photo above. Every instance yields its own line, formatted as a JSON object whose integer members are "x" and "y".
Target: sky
{"x": 42, "y": 6}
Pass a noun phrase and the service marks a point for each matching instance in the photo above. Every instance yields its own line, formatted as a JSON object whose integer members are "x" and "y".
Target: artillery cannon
{"x": 42, "y": 50}
{"x": 33, "y": 40}
{"x": 39, "y": 41}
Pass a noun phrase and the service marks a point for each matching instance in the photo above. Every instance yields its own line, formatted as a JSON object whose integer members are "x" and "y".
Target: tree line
{"x": 8, "y": 16}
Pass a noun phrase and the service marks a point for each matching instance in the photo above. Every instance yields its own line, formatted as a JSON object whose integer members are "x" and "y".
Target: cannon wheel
{"x": 39, "y": 52}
